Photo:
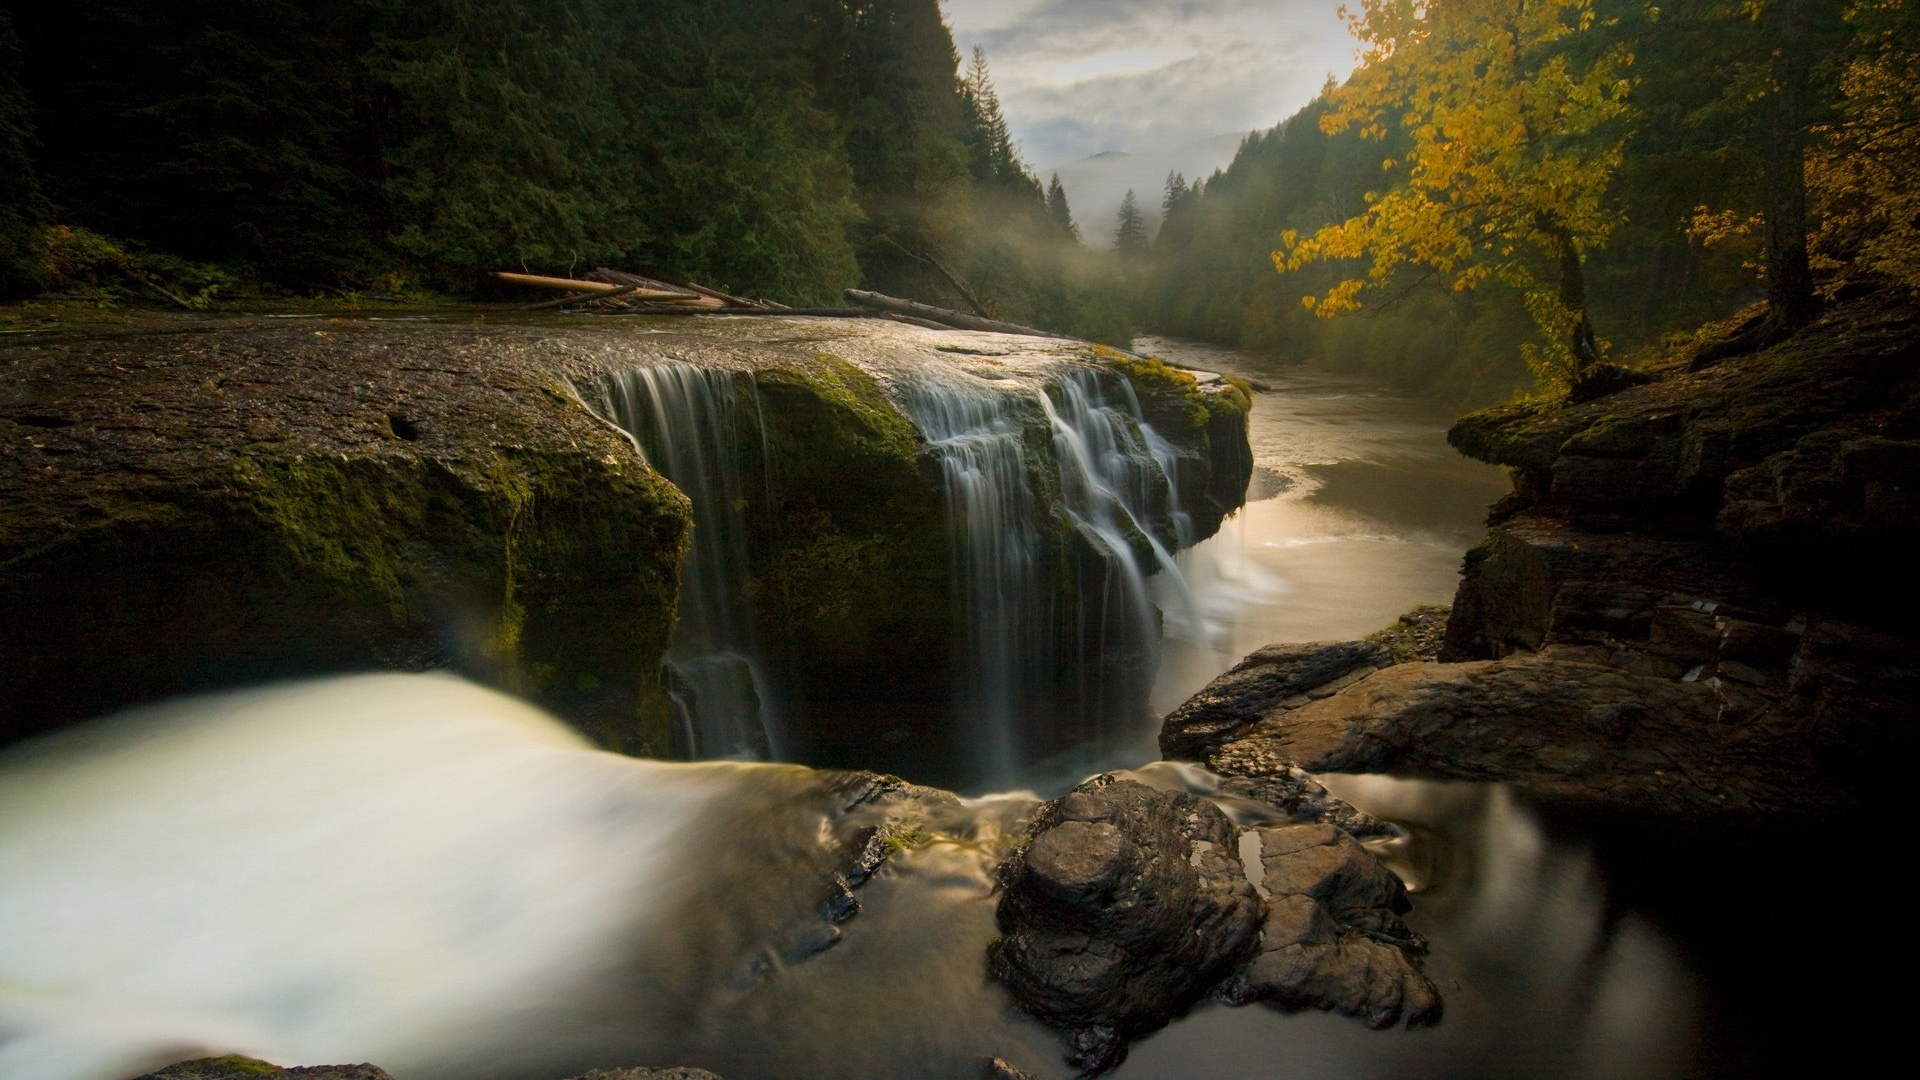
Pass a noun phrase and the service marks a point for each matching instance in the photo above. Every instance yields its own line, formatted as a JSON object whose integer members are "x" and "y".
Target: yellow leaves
{"x": 1504, "y": 131}
{"x": 1859, "y": 169}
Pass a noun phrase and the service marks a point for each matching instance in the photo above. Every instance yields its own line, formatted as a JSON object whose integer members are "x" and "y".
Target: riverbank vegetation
{"x": 1565, "y": 181}
{"x": 189, "y": 152}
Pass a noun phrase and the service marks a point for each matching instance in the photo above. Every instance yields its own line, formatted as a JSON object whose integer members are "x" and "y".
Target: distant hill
{"x": 1095, "y": 185}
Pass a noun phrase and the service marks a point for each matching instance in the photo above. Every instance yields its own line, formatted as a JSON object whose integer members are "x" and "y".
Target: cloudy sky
{"x": 1080, "y": 77}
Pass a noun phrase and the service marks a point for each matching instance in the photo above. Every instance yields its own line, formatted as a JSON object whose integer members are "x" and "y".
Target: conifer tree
{"x": 1176, "y": 193}
{"x": 1130, "y": 237}
{"x": 1057, "y": 208}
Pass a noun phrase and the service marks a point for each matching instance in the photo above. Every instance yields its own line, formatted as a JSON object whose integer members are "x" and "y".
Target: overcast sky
{"x": 1080, "y": 77}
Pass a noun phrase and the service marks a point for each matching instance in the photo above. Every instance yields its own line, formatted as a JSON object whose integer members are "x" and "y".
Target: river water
{"x": 410, "y": 870}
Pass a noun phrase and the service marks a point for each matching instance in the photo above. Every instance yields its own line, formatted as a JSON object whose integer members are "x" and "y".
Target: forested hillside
{"x": 784, "y": 148}
{"x": 1681, "y": 109}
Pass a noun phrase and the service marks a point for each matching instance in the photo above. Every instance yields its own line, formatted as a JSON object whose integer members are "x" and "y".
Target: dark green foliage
{"x": 215, "y": 129}
{"x": 22, "y": 207}
{"x": 785, "y": 148}
{"x": 591, "y": 131}
{"x": 1130, "y": 229}
{"x": 1058, "y": 210}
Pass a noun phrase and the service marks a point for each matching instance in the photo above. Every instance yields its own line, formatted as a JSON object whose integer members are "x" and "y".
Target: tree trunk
{"x": 1573, "y": 296}
{"x": 1790, "y": 301}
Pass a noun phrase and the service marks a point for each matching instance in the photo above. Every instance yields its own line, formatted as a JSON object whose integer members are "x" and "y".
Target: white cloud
{"x": 1079, "y": 77}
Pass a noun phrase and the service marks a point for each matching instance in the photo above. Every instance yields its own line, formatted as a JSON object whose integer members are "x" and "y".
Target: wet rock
{"x": 1327, "y": 865}
{"x": 245, "y": 1068}
{"x": 647, "y": 1074}
{"x": 1356, "y": 977}
{"x": 1288, "y": 793}
{"x": 1000, "y": 1070}
{"x": 1332, "y": 937}
{"x": 1126, "y": 908}
{"x": 1581, "y": 730}
{"x": 1265, "y": 681}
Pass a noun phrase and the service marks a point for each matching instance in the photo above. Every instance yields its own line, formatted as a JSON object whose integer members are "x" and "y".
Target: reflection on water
{"x": 1542, "y": 977}
{"x": 1360, "y": 511}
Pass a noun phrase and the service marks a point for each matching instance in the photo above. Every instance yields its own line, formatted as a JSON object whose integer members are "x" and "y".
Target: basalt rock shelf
{"x": 190, "y": 504}
{"x": 1696, "y": 602}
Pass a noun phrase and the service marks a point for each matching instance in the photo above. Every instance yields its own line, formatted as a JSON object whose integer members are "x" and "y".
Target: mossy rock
{"x": 217, "y": 504}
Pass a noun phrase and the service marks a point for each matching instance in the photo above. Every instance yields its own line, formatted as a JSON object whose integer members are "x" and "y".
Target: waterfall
{"x": 1061, "y": 504}
{"x": 978, "y": 433}
{"x": 696, "y": 425}
{"x": 1040, "y": 667}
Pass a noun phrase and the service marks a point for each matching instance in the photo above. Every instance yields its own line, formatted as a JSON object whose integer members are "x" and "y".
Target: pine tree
{"x": 1057, "y": 208}
{"x": 996, "y": 161}
{"x": 1130, "y": 238}
{"x": 1176, "y": 194}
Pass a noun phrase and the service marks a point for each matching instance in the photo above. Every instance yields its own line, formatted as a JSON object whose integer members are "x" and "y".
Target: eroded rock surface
{"x": 1131, "y": 904}
{"x": 1695, "y": 601}
{"x": 1332, "y": 937}
{"x": 244, "y": 1068}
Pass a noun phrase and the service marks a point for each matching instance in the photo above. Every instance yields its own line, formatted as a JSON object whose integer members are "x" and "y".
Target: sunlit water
{"x": 1358, "y": 512}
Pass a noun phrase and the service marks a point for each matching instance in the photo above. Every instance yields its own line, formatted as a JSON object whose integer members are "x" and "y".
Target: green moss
{"x": 1170, "y": 398}
{"x": 231, "y": 1067}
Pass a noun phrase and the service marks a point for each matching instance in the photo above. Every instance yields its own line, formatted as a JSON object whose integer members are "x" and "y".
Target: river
{"x": 410, "y": 870}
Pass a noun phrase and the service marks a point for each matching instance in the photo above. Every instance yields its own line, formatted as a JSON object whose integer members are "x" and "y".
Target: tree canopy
{"x": 1511, "y": 142}
{"x": 785, "y": 148}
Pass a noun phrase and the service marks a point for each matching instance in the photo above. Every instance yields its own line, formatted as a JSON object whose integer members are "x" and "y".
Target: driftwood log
{"x": 944, "y": 316}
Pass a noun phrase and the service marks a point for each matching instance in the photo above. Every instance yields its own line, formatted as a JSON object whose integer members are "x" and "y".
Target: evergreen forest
{"x": 206, "y": 149}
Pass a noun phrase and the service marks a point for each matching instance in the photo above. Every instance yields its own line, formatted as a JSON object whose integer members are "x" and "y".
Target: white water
{"x": 417, "y": 872}
{"x": 1033, "y": 675}
{"x": 1038, "y": 667}
{"x": 696, "y": 425}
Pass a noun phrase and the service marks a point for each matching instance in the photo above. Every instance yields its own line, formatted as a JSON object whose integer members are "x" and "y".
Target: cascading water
{"x": 1061, "y": 502}
{"x": 693, "y": 424}
{"x": 978, "y": 432}
{"x": 1119, "y": 492}
{"x": 1039, "y": 665}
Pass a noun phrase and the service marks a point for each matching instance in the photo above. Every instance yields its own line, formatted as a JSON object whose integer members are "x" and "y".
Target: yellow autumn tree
{"x": 1511, "y": 138}
{"x": 1861, "y": 167}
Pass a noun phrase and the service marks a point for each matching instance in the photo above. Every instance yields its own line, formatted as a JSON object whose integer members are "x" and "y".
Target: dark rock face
{"x": 1253, "y": 687}
{"x": 1695, "y": 601}
{"x": 1130, "y": 904}
{"x": 1333, "y": 938}
{"x": 1126, "y": 908}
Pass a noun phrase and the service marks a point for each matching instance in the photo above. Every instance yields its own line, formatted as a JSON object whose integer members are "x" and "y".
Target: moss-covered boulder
{"x": 194, "y": 505}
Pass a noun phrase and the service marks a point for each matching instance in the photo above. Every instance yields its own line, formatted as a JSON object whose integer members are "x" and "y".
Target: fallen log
{"x": 945, "y": 316}
{"x": 569, "y": 284}
{"x": 583, "y": 298}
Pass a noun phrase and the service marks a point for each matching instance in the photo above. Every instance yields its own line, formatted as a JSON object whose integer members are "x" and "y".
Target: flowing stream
{"x": 417, "y": 872}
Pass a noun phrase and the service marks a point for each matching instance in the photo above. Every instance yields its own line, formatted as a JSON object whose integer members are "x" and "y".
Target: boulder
{"x": 1129, "y": 904}
{"x": 1127, "y": 907}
